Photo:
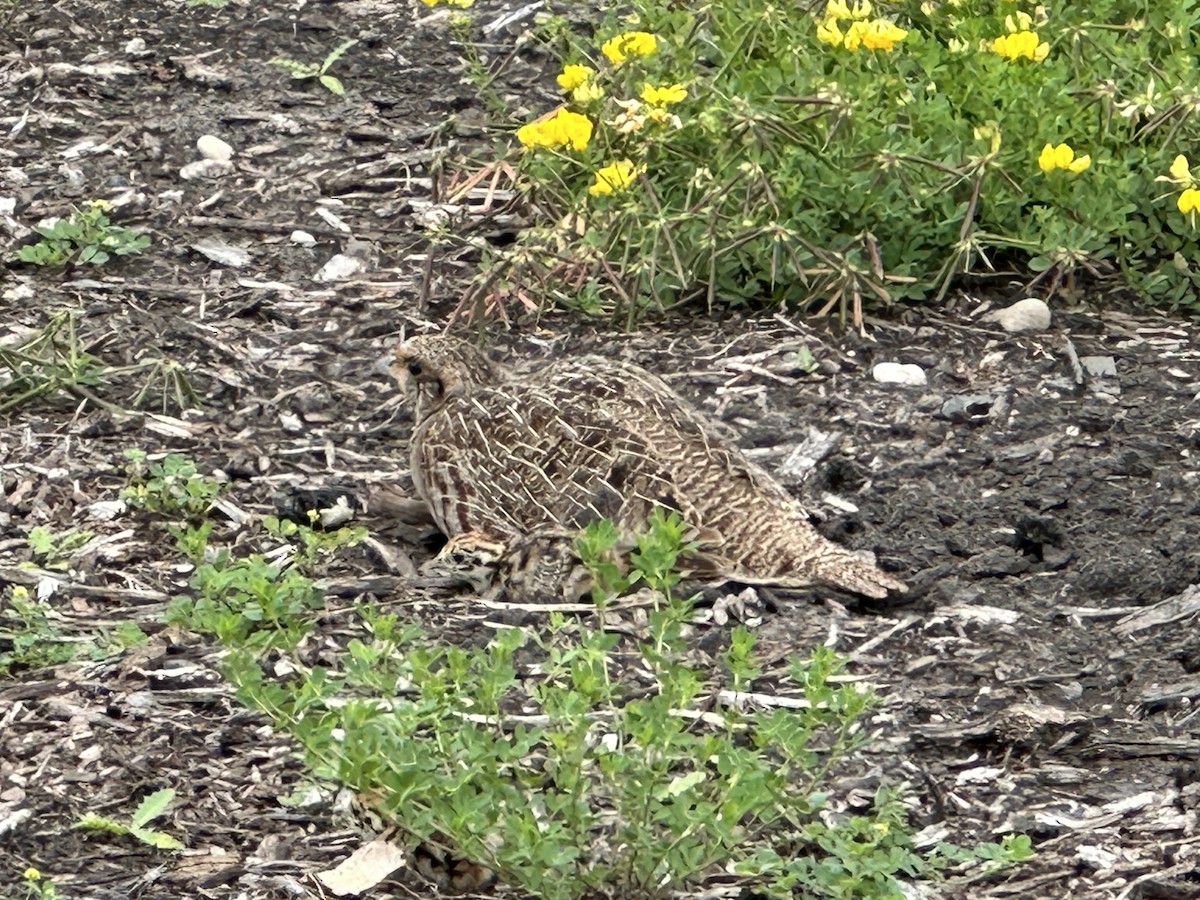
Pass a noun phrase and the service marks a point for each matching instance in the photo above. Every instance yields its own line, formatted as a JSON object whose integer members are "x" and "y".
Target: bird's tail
{"x": 854, "y": 571}
{"x": 796, "y": 554}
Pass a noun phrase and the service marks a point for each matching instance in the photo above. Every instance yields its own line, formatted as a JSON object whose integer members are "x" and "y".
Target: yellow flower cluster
{"x": 585, "y": 85}
{"x": 561, "y": 129}
{"x": 631, "y": 43}
{"x": 635, "y": 114}
{"x": 862, "y": 30}
{"x": 1062, "y": 157}
{"x": 461, "y": 4}
{"x": 580, "y": 83}
{"x": 1021, "y": 41}
{"x": 662, "y": 96}
{"x": 1181, "y": 176}
{"x": 613, "y": 177}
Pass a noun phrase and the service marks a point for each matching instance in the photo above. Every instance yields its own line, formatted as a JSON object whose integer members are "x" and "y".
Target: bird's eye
{"x": 414, "y": 367}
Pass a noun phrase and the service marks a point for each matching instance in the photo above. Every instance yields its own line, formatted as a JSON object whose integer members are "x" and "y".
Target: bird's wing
{"x": 676, "y": 433}
{"x": 509, "y": 460}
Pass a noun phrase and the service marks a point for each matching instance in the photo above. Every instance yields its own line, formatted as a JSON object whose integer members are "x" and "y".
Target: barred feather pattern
{"x": 590, "y": 438}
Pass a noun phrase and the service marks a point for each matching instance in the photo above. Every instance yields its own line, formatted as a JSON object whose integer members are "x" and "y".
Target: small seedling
{"x": 50, "y": 363}
{"x": 171, "y": 486}
{"x": 53, "y": 551}
{"x": 148, "y": 810}
{"x": 804, "y": 360}
{"x": 319, "y": 71}
{"x": 28, "y": 638}
{"x": 311, "y": 545}
{"x": 85, "y": 236}
{"x": 38, "y": 886}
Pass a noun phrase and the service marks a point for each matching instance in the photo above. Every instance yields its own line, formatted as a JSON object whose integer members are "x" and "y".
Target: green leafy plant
{"x": 312, "y": 546}
{"x": 38, "y": 886}
{"x": 248, "y": 601}
{"x": 85, "y": 236}
{"x": 51, "y": 363}
{"x": 319, "y": 71}
{"x": 53, "y": 551}
{"x": 850, "y": 156}
{"x": 151, "y": 807}
{"x": 171, "y": 485}
{"x": 243, "y": 600}
{"x": 586, "y": 779}
{"x": 29, "y": 638}
{"x": 54, "y": 362}
{"x": 599, "y": 785}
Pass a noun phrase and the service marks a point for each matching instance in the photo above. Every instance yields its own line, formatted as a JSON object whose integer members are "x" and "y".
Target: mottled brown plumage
{"x": 590, "y": 438}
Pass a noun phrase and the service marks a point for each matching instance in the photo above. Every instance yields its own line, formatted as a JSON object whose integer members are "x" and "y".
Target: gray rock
{"x": 966, "y": 407}
{"x": 1099, "y": 366}
{"x": 997, "y": 562}
{"x": 1030, "y": 314}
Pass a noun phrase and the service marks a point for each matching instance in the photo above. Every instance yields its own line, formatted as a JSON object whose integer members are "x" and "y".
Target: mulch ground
{"x": 1038, "y": 494}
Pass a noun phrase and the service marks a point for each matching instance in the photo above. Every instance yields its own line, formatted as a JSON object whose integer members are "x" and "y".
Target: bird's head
{"x": 470, "y": 559}
{"x": 432, "y": 368}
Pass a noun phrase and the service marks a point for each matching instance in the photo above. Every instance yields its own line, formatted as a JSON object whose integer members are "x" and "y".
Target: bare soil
{"x": 1039, "y": 676}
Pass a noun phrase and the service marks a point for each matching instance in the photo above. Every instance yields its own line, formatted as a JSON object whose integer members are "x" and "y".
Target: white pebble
{"x": 340, "y": 268}
{"x": 303, "y": 238}
{"x": 898, "y": 373}
{"x": 205, "y": 168}
{"x": 212, "y": 147}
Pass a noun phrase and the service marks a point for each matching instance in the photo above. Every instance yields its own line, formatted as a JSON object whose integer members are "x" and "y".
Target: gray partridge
{"x": 506, "y": 455}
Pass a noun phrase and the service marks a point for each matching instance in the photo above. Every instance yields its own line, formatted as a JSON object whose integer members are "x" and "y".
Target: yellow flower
{"x": 613, "y": 177}
{"x": 631, "y": 43}
{"x": 1048, "y": 158}
{"x": 1189, "y": 201}
{"x": 574, "y": 76}
{"x": 1062, "y": 157}
{"x": 874, "y": 35}
{"x": 563, "y": 128}
{"x": 579, "y": 82}
{"x": 660, "y": 115}
{"x": 661, "y": 96}
{"x": 461, "y": 4}
{"x": 1021, "y": 21}
{"x": 1181, "y": 172}
{"x": 31, "y": 874}
{"x": 586, "y": 93}
{"x": 828, "y": 32}
{"x": 1021, "y": 44}
{"x": 839, "y": 9}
